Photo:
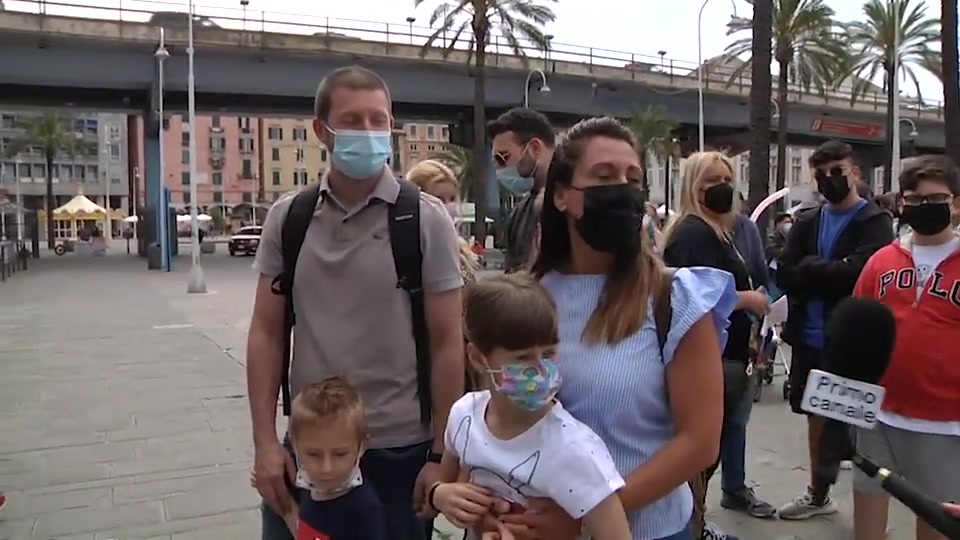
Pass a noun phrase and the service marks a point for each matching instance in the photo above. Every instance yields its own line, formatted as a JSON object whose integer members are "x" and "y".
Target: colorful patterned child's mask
{"x": 531, "y": 386}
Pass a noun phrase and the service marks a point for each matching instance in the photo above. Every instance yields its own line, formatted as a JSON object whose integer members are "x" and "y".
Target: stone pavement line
{"x": 112, "y": 429}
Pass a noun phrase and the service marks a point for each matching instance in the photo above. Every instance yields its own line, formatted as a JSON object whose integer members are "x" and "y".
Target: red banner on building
{"x": 847, "y": 128}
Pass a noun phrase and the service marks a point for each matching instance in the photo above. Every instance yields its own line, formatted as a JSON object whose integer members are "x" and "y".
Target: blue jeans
{"x": 733, "y": 443}
{"x": 392, "y": 472}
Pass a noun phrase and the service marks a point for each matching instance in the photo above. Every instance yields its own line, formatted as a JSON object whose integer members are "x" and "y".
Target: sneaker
{"x": 712, "y": 532}
{"x": 746, "y": 501}
{"x": 804, "y": 507}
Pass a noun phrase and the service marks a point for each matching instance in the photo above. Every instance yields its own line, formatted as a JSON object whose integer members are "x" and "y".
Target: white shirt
{"x": 925, "y": 260}
{"x": 558, "y": 458}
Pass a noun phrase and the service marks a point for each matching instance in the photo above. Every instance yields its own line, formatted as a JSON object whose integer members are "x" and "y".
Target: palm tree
{"x": 54, "y": 135}
{"x": 951, "y": 77}
{"x": 806, "y": 47}
{"x": 478, "y": 22}
{"x": 872, "y": 45}
{"x": 653, "y": 130}
{"x": 760, "y": 96}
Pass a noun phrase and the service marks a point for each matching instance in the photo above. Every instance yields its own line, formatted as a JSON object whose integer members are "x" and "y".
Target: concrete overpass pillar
{"x": 156, "y": 212}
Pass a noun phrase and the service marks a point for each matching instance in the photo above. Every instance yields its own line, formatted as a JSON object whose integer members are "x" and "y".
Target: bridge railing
{"x": 672, "y": 75}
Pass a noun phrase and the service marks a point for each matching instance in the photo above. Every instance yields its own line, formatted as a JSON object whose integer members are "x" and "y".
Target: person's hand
{"x": 271, "y": 463}
{"x": 544, "y": 520}
{"x": 755, "y": 301}
{"x": 953, "y": 509}
{"x": 502, "y": 533}
{"x": 429, "y": 475}
{"x": 463, "y": 504}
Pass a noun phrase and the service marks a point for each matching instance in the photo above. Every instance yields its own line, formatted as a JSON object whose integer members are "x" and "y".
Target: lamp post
{"x": 244, "y": 4}
{"x": 410, "y": 21}
{"x": 895, "y": 150}
{"x": 700, "y": 69}
{"x": 526, "y": 85}
{"x": 161, "y": 55}
{"x": 19, "y": 199}
{"x": 196, "y": 283}
{"x": 662, "y": 54}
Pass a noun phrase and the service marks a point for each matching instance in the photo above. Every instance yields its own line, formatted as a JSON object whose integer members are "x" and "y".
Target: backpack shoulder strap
{"x": 404, "y": 227}
{"x": 292, "y": 234}
{"x": 662, "y": 308}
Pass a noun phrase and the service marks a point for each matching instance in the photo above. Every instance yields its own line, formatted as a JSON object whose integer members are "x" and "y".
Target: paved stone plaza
{"x": 123, "y": 411}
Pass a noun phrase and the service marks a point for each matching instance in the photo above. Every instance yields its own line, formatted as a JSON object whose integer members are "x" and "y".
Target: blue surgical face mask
{"x": 511, "y": 178}
{"x": 361, "y": 154}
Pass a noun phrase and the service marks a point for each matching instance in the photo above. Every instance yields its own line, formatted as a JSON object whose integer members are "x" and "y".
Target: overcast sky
{"x": 618, "y": 26}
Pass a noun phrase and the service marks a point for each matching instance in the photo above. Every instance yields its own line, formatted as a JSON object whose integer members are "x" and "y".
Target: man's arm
{"x": 265, "y": 340}
{"x": 789, "y": 277}
{"x": 837, "y": 278}
{"x": 443, "y": 306}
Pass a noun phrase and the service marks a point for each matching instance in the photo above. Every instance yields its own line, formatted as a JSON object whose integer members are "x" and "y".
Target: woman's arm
{"x": 607, "y": 521}
{"x": 695, "y": 387}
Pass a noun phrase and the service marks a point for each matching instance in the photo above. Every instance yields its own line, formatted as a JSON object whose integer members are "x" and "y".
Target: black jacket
{"x": 805, "y": 276}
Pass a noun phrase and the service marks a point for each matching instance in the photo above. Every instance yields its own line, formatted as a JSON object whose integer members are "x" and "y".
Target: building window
{"x": 185, "y": 138}
{"x": 275, "y": 133}
{"x": 413, "y": 131}
{"x": 247, "y": 197}
{"x": 93, "y": 172}
{"x": 186, "y": 197}
{"x": 185, "y": 156}
{"x": 217, "y": 144}
{"x": 244, "y": 123}
{"x": 115, "y": 152}
{"x": 247, "y": 169}
{"x": 215, "y": 121}
{"x": 299, "y": 134}
{"x": 796, "y": 169}
{"x": 185, "y": 178}
{"x": 431, "y": 148}
{"x": 218, "y": 178}
{"x": 445, "y": 133}
{"x": 113, "y": 131}
{"x": 323, "y": 155}
{"x": 275, "y": 154}
{"x": 275, "y": 177}
{"x": 218, "y": 196}
{"x": 431, "y": 132}
{"x": 299, "y": 154}
{"x": 413, "y": 148}
{"x": 246, "y": 145}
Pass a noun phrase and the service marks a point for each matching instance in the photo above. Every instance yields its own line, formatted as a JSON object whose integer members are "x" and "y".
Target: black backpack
{"x": 404, "y": 227}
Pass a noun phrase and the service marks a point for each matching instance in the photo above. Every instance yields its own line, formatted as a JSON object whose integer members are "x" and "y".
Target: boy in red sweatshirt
{"x": 918, "y": 278}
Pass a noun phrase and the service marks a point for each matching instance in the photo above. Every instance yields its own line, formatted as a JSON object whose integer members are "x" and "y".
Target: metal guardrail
{"x": 717, "y": 77}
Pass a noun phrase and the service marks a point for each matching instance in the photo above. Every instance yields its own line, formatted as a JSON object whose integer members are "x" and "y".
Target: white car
{"x": 245, "y": 241}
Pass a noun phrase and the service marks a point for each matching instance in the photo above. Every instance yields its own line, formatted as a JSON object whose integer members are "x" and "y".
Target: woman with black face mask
{"x": 702, "y": 235}
{"x": 631, "y": 333}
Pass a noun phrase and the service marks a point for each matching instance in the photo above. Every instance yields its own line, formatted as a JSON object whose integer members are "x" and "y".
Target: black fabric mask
{"x": 927, "y": 219}
{"x": 719, "y": 198}
{"x": 834, "y": 186}
{"x": 612, "y": 218}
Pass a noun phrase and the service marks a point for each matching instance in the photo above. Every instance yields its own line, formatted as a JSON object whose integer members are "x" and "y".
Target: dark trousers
{"x": 392, "y": 472}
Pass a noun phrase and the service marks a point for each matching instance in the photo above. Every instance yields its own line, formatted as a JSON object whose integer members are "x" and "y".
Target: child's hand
{"x": 462, "y": 503}
{"x": 502, "y": 534}
{"x": 953, "y": 509}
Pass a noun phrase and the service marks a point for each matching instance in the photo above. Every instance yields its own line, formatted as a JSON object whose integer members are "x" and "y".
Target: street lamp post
{"x": 526, "y": 85}
{"x": 700, "y": 69}
{"x": 244, "y": 4}
{"x": 19, "y": 199}
{"x": 196, "y": 283}
{"x": 161, "y": 220}
{"x": 410, "y": 21}
{"x": 895, "y": 150}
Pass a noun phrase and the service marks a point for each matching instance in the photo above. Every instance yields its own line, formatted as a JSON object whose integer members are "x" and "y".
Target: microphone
{"x": 859, "y": 342}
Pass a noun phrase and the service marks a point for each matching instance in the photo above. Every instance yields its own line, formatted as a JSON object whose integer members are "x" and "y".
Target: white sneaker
{"x": 804, "y": 507}
{"x": 713, "y": 532}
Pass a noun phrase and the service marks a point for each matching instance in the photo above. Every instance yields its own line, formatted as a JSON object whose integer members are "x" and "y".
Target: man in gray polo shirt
{"x": 351, "y": 317}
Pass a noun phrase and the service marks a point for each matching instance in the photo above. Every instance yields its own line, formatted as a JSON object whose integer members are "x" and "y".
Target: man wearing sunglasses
{"x": 825, "y": 252}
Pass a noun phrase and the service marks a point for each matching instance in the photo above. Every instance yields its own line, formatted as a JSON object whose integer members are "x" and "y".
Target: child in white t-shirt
{"x": 516, "y": 441}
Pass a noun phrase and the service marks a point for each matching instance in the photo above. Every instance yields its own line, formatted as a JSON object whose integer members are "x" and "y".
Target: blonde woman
{"x": 438, "y": 180}
{"x": 701, "y": 235}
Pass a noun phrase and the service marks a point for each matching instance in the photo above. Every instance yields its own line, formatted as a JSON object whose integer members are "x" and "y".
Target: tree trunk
{"x": 666, "y": 186}
{"x": 951, "y": 78}
{"x": 51, "y": 203}
{"x": 480, "y": 158}
{"x": 888, "y": 139}
{"x": 760, "y": 94}
{"x": 783, "y": 87}
{"x": 644, "y": 164}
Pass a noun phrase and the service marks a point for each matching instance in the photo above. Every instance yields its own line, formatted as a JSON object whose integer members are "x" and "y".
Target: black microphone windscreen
{"x": 859, "y": 339}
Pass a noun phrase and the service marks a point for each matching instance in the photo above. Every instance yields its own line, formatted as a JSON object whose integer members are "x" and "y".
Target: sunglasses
{"x": 823, "y": 175}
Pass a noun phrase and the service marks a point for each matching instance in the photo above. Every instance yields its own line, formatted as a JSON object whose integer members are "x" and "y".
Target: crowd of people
{"x": 594, "y": 388}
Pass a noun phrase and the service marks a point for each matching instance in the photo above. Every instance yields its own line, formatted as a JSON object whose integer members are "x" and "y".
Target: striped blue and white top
{"x": 620, "y": 390}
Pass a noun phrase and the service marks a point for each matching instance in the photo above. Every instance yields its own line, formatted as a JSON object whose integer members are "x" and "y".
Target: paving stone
{"x": 78, "y": 520}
